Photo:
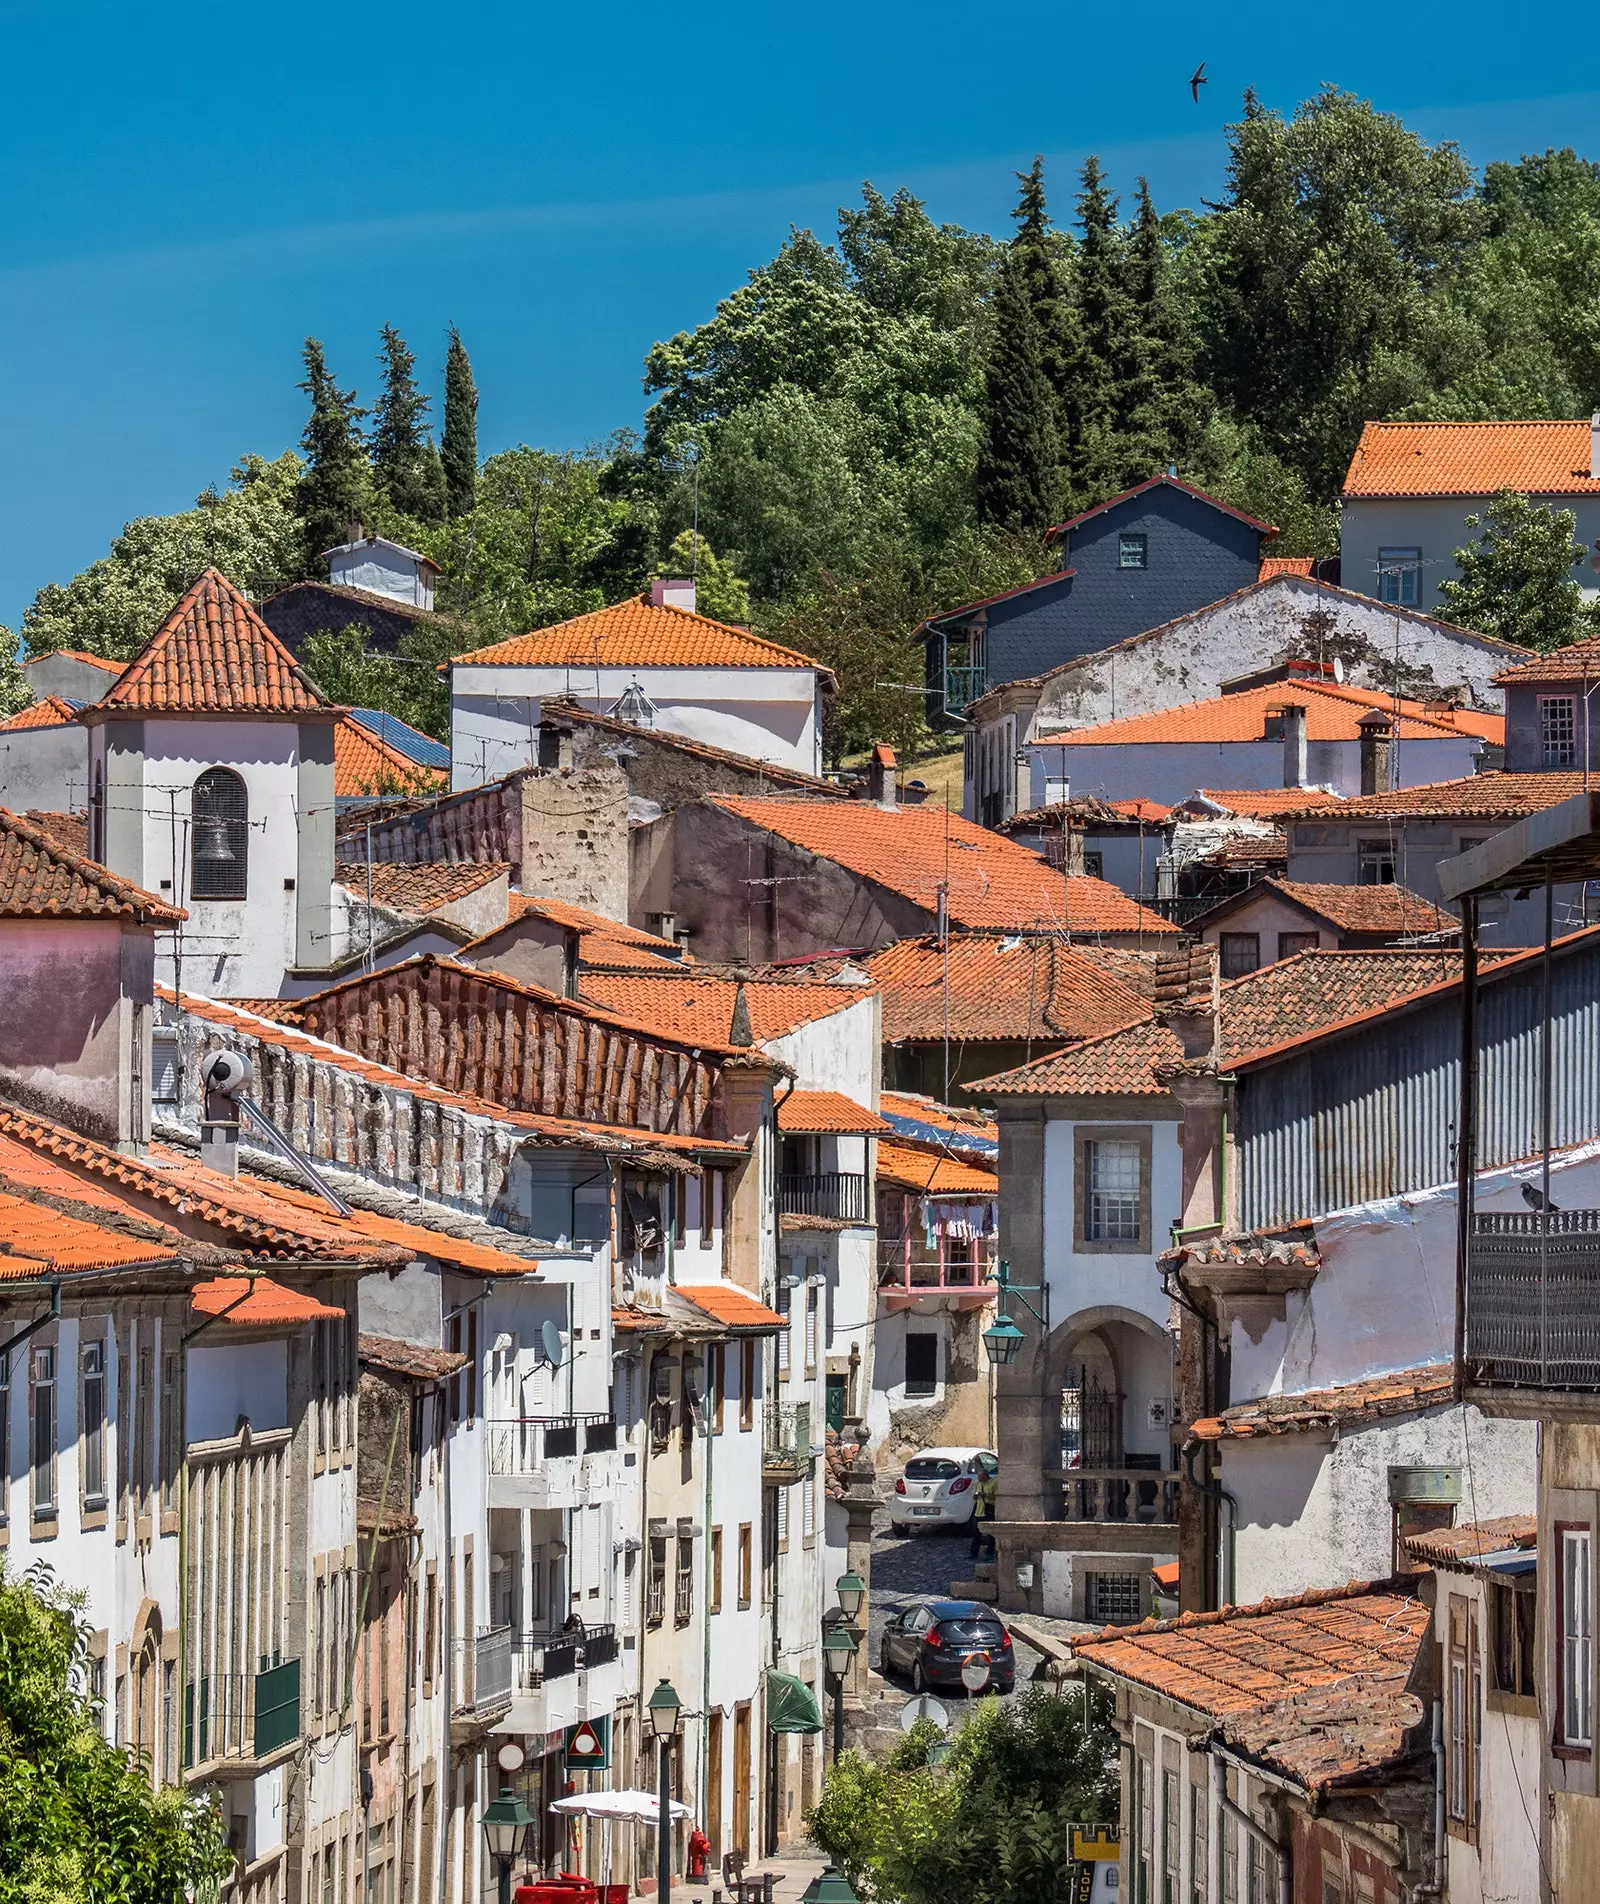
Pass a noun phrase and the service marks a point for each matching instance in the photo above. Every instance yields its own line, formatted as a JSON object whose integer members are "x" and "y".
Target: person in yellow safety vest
{"x": 982, "y": 1510}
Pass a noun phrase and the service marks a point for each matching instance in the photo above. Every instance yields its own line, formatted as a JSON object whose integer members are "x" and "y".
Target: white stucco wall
{"x": 227, "y": 1383}
{"x": 764, "y": 713}
{"x": 1086, "y": 1280}
{"x": 1171, "y": 771}
{"x": 382, "y": 569}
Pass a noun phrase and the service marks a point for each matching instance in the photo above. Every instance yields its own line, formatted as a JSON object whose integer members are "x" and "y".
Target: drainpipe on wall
{"x": 1217, "y": 1492}
{"x": 1220, "y": 1760}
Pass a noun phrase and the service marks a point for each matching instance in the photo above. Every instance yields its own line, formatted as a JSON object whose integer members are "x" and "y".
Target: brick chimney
{"x": 673, "y": 592}
{"x": 1294, "y": 745}
{"x": 881, "y": 776}
{"x": 1377, "y": 751}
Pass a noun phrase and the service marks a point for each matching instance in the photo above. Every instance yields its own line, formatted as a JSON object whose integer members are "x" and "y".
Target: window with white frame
{"x": 1558, "y": 729}
{"x": 1398, "y": 573}
{"x": 1575, "y": 1721}
{"x": 1111, "y": 1212}
{"x": 1133, "y": 551}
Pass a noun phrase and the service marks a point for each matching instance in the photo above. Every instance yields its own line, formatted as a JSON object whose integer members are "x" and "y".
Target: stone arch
{"x": 144, "y": 1688}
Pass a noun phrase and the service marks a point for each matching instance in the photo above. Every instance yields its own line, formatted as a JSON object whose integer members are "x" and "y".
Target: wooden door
{"x": 714, "y": 1786}
{"x": 741, "y": 1780}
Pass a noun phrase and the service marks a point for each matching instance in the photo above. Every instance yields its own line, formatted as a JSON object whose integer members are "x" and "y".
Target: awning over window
{"x": 791, "y": 1705}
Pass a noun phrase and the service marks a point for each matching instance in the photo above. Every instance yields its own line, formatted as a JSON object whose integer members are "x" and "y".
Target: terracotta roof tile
{"x": 1284, "y": 565}
{"x": 1266, "y": 803}
{"x": 38, "y": 1240}
{"x": 268, "y": 1304}
{"x": 637, "y": 634}
{"x": 1293, "y": 999}
{"x": 42, "y": 879}
{"x": 213, "y": 654}
{"x": 998, "y": 988}
{"x": 931, "y": 1175}
{"x": 52, "y": 711}
{"x": 600, "y": 952}
{"x": 581, "y": 919}
{"x": 698, "y": 1006}
{"x": 1575, "y": 662}
{"x": 1406, "y": 1392}
{"x": 82, "y": 654}
{"x": 1313, "y": 1685}
{"x": 958, "y": 1125}
{"x": 1472, "y": 459}
{"x": 734, "y": 1308}
{"x": 1455, "y": 1546}
{"x": 1249, "y": 849}
{"x": 637, "y": 1322}
{"x": 1393, "y": 910}
{"x": 620, "y": 1140}
{"x": 70, "y": 831}
{"x": 1332, "y": 714}
{"x": 364, "y": 765}
{"x": 410, "y": 1359}
{"x": 1484, "y": 796}
{"x": 993, "y": 882}
{"x": 821, "y": 1112}
{"x": 422, "y": 887}
{"x": 1256, "y": 1249}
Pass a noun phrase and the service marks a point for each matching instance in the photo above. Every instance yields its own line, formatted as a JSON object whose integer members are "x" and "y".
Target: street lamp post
{"x": 505, "y": 1824}
{"x": 1004, "y": 1340}
{"x": 663, "y": 1708}
{"x": 829, "y": 1886}
{"x": 838, "y": 1650}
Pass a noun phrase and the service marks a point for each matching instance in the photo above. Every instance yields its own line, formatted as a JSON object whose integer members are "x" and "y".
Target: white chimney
{"x": 672, "y": 592}
{"x": 1294, "y": 746}
{"x": 1594, "y": 444}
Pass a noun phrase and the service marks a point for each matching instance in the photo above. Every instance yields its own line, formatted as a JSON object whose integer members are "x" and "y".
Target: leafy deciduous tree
{"x": 1517, "y": 579}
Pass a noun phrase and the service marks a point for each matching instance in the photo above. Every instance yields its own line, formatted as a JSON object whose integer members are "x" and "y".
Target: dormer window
{"x": 1133, "y": 551}
{"x": 219, "y": 836}
{"x": 1558, "y": 729}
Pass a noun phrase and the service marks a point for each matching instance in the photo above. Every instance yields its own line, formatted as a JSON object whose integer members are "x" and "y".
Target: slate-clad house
{"x": 1130, "y": 563}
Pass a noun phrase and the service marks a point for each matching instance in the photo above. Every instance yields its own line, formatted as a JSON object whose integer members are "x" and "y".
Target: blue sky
{"x": 186, "y": 192}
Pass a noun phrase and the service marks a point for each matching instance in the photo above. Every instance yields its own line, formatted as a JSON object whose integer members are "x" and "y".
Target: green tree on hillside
{"x": 1162, "y": 408}
{"x": 459, "y": 447}
{"x": 1020, "y": 457}
{"x": 1517, "y": 579}
{"x": 720, "y": 591}
{"x": 15, "y": 693}
{"x": 78, "y": 1818}
{"x": 1096, "y": 396}
{"x": 334, "y": 490}
{"x": 406, "y": 470}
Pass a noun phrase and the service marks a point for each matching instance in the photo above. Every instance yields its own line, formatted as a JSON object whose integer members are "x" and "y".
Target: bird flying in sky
{"x": 1197, "y": 80}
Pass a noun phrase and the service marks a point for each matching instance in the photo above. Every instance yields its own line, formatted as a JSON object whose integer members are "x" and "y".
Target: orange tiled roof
{"x": 1283, "y": 565}
{"x": 1394, "y": 910}
{"x": 1455, "y": 1546}
{"x": 1293, "y": 999}
{"x": 601, "y": 941}
{"x": 814, "y": 1113}
{"x": 42, "y": 879}
{"x": 1266, "y": 803}
{"x": 1484, "y": 796}
{"x": 1578, "y": 661}
{"x": 698, "y": 1006}
{"x": 364, "y": 764}
{"x": 1313, "y": 1685}
{"x": 1472, "y": 459}
{"x": 997, "y": 988}
{"x": 420, "y": 888}
{"x": 269, "y": 1304}
{"x": 626, "y": 1321}
{"x": 82, "y": 654}
{"x": 52, "y": 711}
{"x": 637, "y": 634}
{"x": 411, "y": 1359}
{"x": 68, "y": 830}
{"x": 582, "y": 1133}
{"x": 1332, "y": 713}
{"x": 993, "y": 882}
{"x": 932, "y": 1175}
{"x": 213, "y": 655}
{"x": 38, "y": 1240}
{"x": 961, "y": 1123}
{"x": 734, "y": 1308}
{"x": 1406, "y": 1392}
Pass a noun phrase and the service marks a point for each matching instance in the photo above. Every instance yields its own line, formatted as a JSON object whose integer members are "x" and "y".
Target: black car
{"x": 933, "y": 1639}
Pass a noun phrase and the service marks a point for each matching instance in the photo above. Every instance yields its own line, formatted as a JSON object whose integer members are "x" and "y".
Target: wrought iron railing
{"x": 1533, "y": 1300}
{"x": 561, "y": 1652}
{"x": 1137, "y": 1496}
{"x": 525, "y": 1445}
{"x": 242, "y": 1715}
{"x": 844, "y": 1195}
{"x": 786, "y": 1440}
{"x": 962, "y": 686}
{"x": 484, "y": 1670}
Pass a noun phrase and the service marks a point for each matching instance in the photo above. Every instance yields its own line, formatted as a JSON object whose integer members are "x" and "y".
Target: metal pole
{"x": 1466, "y": 1123}
{"x": 1545, "y": 1089}
{"x": 664, "y": 1827}
{"x": 505, "y": 1879}
{"x": 838, "y": 1719}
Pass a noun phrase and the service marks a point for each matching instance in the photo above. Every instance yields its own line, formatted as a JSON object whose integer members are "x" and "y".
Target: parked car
{"x": 940, "y": 1487}
{"x": 932, "y": 1640}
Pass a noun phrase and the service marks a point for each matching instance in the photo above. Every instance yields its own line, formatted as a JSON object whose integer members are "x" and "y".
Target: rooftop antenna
{"x": 693, "y": 450}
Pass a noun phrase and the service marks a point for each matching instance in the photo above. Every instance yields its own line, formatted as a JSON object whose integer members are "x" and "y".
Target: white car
{"x": 939, "y": 1488}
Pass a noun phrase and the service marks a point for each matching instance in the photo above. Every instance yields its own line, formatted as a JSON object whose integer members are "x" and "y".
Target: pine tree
{"x": 1016, "y": 479}
{"x": 405, "y": 466}
{"x": 1095, "y": 395}
{"x": 332, "y": 493}
{"x": 1162, "y": 407}
{"x": 459, "y": 451}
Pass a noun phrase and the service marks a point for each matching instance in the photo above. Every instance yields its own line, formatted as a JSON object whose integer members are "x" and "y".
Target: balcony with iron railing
{"x": 1533, "y": 1309}
{"x": 963, "y": 686}
{"x": 843, "y": 1196}
{"x": 955, "y": 1267}
{"x": 786, "y": 1442}
{"x": 241, "y": 1718}
{"x": 558, "y": 1653}
{"x": 484, "y": 1671}
{"x": 540, "y": 1461}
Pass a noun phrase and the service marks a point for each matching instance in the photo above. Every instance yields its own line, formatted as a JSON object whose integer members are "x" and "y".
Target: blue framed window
{"x": 1133, "y": 551}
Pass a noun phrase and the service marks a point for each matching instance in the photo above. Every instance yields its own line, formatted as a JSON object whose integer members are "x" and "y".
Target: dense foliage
{"x": 992, "y": 1823}
{"x": 1517, "y": 579}
{"x": 881, "y": 425}
{"x": 79, "y": 1822}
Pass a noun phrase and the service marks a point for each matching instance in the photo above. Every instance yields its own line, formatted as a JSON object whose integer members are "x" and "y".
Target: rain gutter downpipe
{"x": 1215, "y": 1491}
{"x": 1220, "y": 1761}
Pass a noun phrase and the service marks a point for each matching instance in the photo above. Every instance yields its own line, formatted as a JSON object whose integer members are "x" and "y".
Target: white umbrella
{"x": 643, "y": 1807}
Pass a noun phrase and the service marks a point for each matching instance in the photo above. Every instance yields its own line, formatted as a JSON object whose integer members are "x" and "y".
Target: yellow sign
{"x": 1096, "y": 1847}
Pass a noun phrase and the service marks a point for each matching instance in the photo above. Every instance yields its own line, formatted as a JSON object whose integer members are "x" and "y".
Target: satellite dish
{"x": 554, "y": 1348}
{"x": 1338, "y": 669}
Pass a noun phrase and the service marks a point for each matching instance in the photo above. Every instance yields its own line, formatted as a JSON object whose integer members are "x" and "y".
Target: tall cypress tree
{"x": 1095, "y": 395}
{"x": 1019, "y": 459}
{"x": 1163, "y": 406}
{"x": 459, "y": 451}
{"x": 406, "y": 469}
{"x": 332, "y": 492}
{"x": 1045, "y": 268}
